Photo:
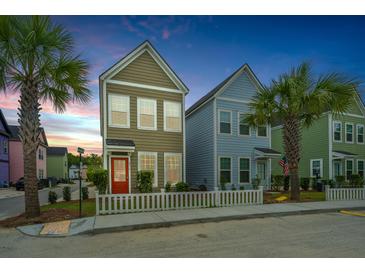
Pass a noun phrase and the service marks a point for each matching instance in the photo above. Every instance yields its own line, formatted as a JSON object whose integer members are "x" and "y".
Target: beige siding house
{"x": 142, "y": 104}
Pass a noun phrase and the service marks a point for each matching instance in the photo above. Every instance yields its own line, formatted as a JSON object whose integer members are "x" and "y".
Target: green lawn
{"x": 305, "y": 196}
{"x": 88, "y": 206}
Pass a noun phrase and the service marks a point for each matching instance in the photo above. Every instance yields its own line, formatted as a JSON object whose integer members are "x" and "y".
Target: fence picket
{"x": 343, "y": 194}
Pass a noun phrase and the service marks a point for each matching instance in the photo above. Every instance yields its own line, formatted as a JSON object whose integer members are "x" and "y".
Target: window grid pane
{"x": 173, "y": 168}
{"x": 261, "y": 131}
{"x": 349, "y": 133}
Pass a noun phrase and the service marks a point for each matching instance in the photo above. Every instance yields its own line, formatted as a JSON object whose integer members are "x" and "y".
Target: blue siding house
{"x": 220, "y": 147}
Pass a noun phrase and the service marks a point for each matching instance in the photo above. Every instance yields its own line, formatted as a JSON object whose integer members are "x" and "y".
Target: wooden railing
{"x": 141, "y": 202}
{"x": 343, "y": 194}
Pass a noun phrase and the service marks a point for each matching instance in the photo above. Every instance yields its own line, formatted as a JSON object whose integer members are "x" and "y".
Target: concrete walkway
{"x": 132, "y": 221}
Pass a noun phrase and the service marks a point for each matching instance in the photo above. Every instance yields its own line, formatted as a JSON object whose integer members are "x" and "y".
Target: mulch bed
{"x": 51, "y": 215}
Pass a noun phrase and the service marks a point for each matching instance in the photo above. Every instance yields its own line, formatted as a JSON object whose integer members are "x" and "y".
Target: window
{"x": 225, "y": 121}
{"x": 360, "y": 134}
{"x": 5, "y": 147}
{"x": 349, "y": 168}
{"x": 40, "y": 174}
{"x": 316, "y": 168}
{"x": 40, "y": 154}
{"x": 147, "y": 161}
{"x": 244, "y": 128}
{"x": 172, "y": 116}
{"x": 337, "y": 131}
{"x": 360, "y": 167}
{"x": 118, "y": 110}
{"x": 262, "y": 131}
{"x": 225, "y": 170}
{"x": 147, "y": 110}
{"x": 173, "y": 167}
{"x": 244, "y": 165}
{"x": 349, "y": 133}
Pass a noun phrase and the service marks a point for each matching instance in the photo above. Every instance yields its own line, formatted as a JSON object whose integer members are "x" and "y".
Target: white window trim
{"x": 239, "y": 124}
{"x": 333, "y": 132}
{"x": 219, "y": 169}
{"x": 155, "y": 114}
{"x": 353, "y": 167}
{"x": 267, "y": 132}
{"x": 341, "y": 168}
{"x": 110, "y": 124}
{"x": 155, "y": 183}
{"x": 164, "y": 164}
{"x": 357, "y": 140}
{"x": 357, "y": 165}
{"x": 165, "y": 116}
{"x": 239, "y": 169}
{"x": 353, "y": 133}
{"x": 320, "y": 166}
{"x": 219, "y": 121}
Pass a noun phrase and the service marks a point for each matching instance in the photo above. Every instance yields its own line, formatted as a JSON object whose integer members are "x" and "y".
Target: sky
{"x": 203, "y": 51}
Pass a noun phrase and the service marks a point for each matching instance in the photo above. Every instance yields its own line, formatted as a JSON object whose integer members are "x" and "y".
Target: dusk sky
{"x": 203, "y": 51}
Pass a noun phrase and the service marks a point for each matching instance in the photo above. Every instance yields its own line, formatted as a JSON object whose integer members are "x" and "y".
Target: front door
{"x": 261, "y": 172}
{"x": 120, "y": 175}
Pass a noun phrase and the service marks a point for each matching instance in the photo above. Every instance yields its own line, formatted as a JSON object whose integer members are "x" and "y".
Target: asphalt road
{"x": 10, "y": 207}
{"x": 321, "y": 235}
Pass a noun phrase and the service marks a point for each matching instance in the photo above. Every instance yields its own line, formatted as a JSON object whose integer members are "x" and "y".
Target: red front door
{"x": 120, "y": 175}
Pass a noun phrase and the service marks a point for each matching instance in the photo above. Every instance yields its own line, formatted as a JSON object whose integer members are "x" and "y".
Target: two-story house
{"x": 221, "y": 147}
{"x": 57, "y": 162}
{"x": 332, "y": 146}
{"x": 142, "y": 120}
{"x": 4, "y": 151}
{"x": 16, "y": 157}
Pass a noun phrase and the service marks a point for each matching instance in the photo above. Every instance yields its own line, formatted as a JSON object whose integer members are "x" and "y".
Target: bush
{"x": 256, "y": 183}
{"x": 100, "y": 180}
{"x": 356, "y": 181}
{"x": 203, "y": 188}
{"x": 340, "y": 181}
{"x": 181, "y": 187}
{"x": 168, "y": 187}
{"x": 85, "y": 192}
{"x": 242, "y": 188}
{"x": 286, "y": 183}
{"x": 144, "y": 181}
{"x": 52, "y": 197}
{"x": 66, "y": 193}
{"x": 304, "y": 183}
{"x": 90, "y": 173}
{"x": 278, "y": 182}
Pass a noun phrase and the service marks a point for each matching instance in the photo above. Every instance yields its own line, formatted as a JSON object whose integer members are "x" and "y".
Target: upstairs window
{"x": 147, "y": 114}
{"x": 360, "y": 134}
{"x": 225, "y": 121}
{"x": 262, "y": 131}
{"x": 337, "y": 131}
{"x": 118, "y": 110}
{"x": 172, "y": 116}
{"x": 244, "y": 128}
{"x": 40, "y": 154}
{"x": 349, "y": 133}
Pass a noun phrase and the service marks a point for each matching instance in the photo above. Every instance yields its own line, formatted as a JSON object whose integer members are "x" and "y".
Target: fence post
{"x": 326, "y": 189}
{"x": 216, "y": 196}
{"x": 261, "y": 195}
{"x": 162, "y": 198}
{"x": 97, "y": 202}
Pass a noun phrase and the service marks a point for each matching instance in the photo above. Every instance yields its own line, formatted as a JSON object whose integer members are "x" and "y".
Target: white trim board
{"x": 136, "y": 85}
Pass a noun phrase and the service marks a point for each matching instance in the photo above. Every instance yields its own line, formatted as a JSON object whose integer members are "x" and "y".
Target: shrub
{"x": 304, "y": 183}
{"x": 203, "y": 188}
{"x": 340, "y": 181}
{"x": 181, "y": 187}
{"x": 242, "y": 188}
{"x": 356, "y": 180}
{"x": 100, "y": 180}
{"x": 144, "y": 181}
{"x": 85, "y": 192}
{"x": 223, "y": 186}
{"x": 286, "y": 183}
{"x": 168, "y": 187}
{"x": 256, "y": 182}
{"x": 278, "y": 182}
{"x": 90, "y": 174}
{"x": 66, "y": 193}
{"x": 52, "y": 197}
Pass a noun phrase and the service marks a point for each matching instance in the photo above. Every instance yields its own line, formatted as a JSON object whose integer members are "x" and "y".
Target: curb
{"x": 214, "y": 219}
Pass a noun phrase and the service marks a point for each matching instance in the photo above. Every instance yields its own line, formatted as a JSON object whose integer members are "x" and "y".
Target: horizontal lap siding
{"x": 242, "y": 88}
{"x": 200, "y": 147}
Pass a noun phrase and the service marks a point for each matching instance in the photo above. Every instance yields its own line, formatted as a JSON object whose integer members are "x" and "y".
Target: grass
{"x": 305, "y": 196}
{"x": 88, "y": 206}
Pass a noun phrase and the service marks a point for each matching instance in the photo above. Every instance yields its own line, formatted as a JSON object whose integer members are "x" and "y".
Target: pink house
{"x": 16, "y": 160}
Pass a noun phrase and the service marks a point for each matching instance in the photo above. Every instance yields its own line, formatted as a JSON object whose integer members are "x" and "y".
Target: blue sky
{"x": 203, "y": 51}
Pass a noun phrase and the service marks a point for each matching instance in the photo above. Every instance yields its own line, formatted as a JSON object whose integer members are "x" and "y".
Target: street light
{"x": 80, "y": 151}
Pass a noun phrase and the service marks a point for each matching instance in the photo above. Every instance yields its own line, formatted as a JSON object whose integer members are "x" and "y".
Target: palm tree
{"x": 36, "y": 59}
{"x": 296, "y": 100}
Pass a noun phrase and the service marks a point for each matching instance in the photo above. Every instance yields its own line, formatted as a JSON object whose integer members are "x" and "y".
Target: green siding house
{"x": 332, "y": 146}
{"x": 57, "y": 163}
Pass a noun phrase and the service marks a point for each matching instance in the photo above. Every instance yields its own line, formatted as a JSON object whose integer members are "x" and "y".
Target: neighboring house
{"x": 16, "y": 158}
{"x": 220, "y": 147}
{"x": 332, "y": 146}
{"x": 4, "y": 151}
{"x": 57, "y": 163}
{"x": 142, "y": 120}
{"x": 74, "y": 172}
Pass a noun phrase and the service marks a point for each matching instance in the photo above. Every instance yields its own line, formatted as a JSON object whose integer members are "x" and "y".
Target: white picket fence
{"x": 140, "y": 202}
{"x": 343, "y": 194}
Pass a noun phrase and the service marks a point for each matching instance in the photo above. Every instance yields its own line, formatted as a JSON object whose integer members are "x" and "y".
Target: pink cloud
{"x": 72, "y": 144}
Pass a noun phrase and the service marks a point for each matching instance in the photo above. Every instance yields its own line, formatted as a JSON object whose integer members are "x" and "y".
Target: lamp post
{"x": 80, "y": 151}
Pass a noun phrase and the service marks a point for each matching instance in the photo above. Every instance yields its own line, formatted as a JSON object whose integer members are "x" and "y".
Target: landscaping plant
{"x": 286, "y": 183}
{"x": 52, "y": 197}
{"x": 100, "y": 180}
{"x": 168, "y": 187}
{"x": 277, "y": 183}
{"x": 85, "y": 193}
{"x": 37, "y": 60}
{"x": 144, "y": 181}
{"x": 356, "y": 181}
{"x": 297, "y": 100}
{"x": 304, "y": 183}
{"x": 66, "y": 193}
{"x": 181, "y": 187}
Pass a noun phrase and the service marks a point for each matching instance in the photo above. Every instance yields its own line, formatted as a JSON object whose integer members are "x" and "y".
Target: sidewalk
{"x": 132, "y": 221}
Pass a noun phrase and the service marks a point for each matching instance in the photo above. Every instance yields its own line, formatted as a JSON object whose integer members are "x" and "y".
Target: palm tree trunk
{"x": 292, "y": 138}
{"x": 29, "y": 134}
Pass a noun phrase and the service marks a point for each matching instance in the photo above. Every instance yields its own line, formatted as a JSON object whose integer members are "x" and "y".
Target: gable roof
{"x": 56, "y": 151}
{"x": 145, "y": 46}
{"x": 211, "y": 94}
{"x": 15, "y": 134}
{"x": 7, "y": 131}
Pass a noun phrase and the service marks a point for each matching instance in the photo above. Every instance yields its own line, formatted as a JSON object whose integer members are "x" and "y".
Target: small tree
{"x": 144, "y": 181}
{"x": 66, "y": 193}
{"x": 100, "y": 180}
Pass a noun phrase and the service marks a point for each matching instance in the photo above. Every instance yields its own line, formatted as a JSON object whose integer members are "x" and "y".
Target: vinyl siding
{"x": 200, "y": 147}
{"x": 145, "y": 70}
{"x": 57, "y": 166}
{"x": 242, "y": 88}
